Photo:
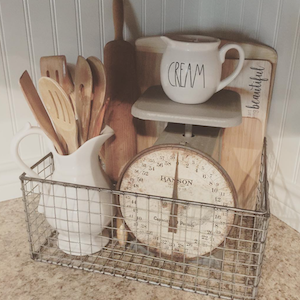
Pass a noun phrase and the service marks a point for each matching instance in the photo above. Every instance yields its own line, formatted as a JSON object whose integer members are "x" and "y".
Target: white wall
{"x": 30, "y": 29}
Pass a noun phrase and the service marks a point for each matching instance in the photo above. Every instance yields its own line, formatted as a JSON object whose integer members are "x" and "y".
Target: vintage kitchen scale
{"x": 183, "y": 164}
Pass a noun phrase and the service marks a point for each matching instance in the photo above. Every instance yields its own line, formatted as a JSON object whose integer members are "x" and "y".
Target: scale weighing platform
{"x": 221, "y": 111}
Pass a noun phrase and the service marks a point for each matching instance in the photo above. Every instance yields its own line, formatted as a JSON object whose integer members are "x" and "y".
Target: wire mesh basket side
{"x": 229, "y": 268}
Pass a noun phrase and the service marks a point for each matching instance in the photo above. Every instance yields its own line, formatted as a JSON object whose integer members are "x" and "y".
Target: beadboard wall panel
{"x": 173, "y": 15}
{"x": 17, "y": 59}
{"x": 269, "y": 21}
{"x": 289, "y": 148}
{"x": 213, "y": 23}
{"x": 251, "y": 17}
{"x": 7, "y": 126}
{"x": 40, "y": 35}
{"x": 68, "y": 28}
{"x": 208, "y": 13}
{"x": 91, "y": 31}
{"x": 234, "y": 11}
{"x": 134, "y": 26}
{"x": 107, "y": 21}
{"x": 190, "y": 15}
{"x": 34, "y": 28}
{"x": 153, "y": 21}
{"x": 287, "y": 34}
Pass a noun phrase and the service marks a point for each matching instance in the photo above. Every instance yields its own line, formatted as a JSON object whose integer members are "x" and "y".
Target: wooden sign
{"x": 242, "y": 145}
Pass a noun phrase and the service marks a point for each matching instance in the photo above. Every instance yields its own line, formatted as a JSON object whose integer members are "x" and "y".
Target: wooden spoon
{"x": 55, "y": 67}
{"x": 60, "y": 110}
{"x": 39, "y": 112}
{"x": 83, "y": 96}
{"x": 99, "y": 90}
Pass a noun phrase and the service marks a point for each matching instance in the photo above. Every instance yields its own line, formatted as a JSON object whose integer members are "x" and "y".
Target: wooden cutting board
{"x": 148, "y": 57}
{"x": 241, "y": 145}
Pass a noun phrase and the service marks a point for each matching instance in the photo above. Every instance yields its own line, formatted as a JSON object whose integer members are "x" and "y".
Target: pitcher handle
{"x": 27, "y": 130}
{"x": 222, "y": 53}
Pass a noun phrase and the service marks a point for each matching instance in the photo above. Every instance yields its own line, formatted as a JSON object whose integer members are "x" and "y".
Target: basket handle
{"x": 27, "y": 130}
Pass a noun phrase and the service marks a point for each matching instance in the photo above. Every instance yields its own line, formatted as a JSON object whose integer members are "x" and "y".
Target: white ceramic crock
{"x": 191, "y": 67}
{"x": 79, "y": 215}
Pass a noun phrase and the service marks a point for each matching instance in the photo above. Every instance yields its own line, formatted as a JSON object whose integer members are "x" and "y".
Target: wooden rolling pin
{"x": 122, "y": 89}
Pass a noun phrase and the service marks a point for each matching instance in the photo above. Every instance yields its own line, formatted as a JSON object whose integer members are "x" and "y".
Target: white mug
{"x": 191, "y": 67}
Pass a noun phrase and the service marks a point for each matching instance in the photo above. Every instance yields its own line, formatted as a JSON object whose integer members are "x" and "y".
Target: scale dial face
{"x": 182, "y": 229}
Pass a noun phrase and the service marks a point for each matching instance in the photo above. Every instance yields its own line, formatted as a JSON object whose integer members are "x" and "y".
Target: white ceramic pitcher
{"x": 79, "y": 215}
{"x": 191, "y": 67}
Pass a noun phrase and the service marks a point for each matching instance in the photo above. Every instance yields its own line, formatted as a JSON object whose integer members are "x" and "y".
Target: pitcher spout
{"x": 107, "y": 131}
{"x": 85, "y": 156}
{"x": 94, "y": 145}
{"x": 168, "y": 41}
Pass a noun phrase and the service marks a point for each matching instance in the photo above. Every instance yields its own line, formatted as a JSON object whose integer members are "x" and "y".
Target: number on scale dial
{"x": 177, "y": 229}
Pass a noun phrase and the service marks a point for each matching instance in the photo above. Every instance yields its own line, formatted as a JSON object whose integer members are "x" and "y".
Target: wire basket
{"x": 229, "y": 270}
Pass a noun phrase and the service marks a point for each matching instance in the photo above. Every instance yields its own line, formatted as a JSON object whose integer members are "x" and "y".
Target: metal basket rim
{"x": 265, "y": 212}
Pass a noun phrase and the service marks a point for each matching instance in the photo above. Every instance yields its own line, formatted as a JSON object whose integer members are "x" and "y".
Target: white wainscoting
{"x": 30, "y": 29}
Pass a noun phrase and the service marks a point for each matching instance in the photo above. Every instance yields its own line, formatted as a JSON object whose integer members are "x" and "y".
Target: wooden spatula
{"x": 83, "y": 96}
{"x": 60, "y": 110}
{"x": 55, "y": 67}
{"x": 99, "y": 90}
{"x": 122, "y": 89}
{"x": 39, "y": 112}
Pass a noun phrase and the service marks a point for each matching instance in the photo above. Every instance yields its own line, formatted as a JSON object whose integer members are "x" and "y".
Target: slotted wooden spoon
{"x": 60, "y": 110}
{"x": 55, "y": 67}
{"x": 83, "y": 96}
{"x": 99, "y": 90}
{"x": 39, "y": 112}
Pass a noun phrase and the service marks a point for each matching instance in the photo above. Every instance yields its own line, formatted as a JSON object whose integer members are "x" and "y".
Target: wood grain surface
{"x": 99, "y": 91}
{"x": 55, "y": 67}
{"x": 60, "y": 110}
{"x": 37, "y": 107}
{"x": 242, "y": 145}
{"x": 122, "y": 89}
{"x": 83, "y": 97}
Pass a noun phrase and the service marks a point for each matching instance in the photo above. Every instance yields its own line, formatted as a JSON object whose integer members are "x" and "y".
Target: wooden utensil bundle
{"x": 76, "y": 110}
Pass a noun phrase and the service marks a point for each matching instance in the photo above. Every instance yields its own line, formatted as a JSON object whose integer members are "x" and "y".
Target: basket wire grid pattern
{"x": 232, "y": 270}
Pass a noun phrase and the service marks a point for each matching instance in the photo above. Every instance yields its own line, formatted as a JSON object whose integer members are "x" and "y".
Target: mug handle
{"x": 222, "y": 53}
{"x": 14, "y": 147}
